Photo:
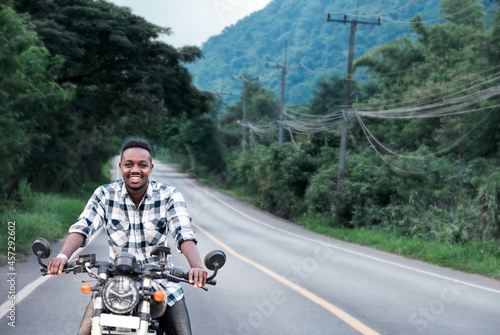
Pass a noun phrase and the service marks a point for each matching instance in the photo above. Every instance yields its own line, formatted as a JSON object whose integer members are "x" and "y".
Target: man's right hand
{"x": 56, "y": 266}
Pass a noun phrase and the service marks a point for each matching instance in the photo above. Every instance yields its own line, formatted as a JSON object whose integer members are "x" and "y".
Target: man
{"x": 137, "y": 214}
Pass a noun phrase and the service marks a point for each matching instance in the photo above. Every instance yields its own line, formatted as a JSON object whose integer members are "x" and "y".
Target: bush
{"x": 279, "y": 175}
{"x": 435, "y": 224}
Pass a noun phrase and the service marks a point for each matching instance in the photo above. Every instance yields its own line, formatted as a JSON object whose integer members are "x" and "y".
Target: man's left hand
{"x": 197, "y": 277}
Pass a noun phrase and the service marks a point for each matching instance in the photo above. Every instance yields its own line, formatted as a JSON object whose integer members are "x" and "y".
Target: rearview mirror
{"x": 41, "y": 247}
{"x": 215, "y": 260}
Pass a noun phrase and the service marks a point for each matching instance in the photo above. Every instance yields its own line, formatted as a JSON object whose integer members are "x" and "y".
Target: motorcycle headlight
{"x": 120, "y": 294}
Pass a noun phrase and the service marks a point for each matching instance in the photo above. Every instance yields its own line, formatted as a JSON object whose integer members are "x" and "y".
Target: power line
{"x": 355, "y": 9}
{"x": 391, "y": 11}
{"x": 369, "y": 135}
{"x": 440, "y": 109}
{"x": 436, "y": 19}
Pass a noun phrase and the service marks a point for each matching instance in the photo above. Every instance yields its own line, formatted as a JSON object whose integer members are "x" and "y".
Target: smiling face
{"x": 136, "y": 166}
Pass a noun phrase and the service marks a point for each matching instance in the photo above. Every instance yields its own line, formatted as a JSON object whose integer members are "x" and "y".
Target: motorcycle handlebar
{"x": 176, "y": 272}
{"x": 214, "y": 260}
{"x": 69, "y": 267}
{"x": 180, "y": 273}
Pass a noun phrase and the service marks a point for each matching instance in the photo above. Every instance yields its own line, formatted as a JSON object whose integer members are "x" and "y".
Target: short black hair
{"x": 137, "y": 143}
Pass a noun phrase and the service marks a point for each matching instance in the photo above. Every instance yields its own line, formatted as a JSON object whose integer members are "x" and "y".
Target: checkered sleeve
{"x": 92, "y": 216}
{"x": 178, "y": 219}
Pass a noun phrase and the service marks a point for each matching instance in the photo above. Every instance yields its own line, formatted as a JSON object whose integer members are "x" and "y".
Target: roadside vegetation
{"x": 47, "y": 215}
{"x": 422, "y": 174}
{"x": 479, "y": 256}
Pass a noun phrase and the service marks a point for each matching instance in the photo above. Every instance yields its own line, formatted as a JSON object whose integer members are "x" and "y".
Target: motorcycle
{"x": 126, "y": 298}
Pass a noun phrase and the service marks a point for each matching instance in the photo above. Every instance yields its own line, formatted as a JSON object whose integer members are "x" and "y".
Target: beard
{"x": 135, "y": 186}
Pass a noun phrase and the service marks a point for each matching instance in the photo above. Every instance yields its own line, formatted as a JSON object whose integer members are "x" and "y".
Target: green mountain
{"x": 315, "y": 49}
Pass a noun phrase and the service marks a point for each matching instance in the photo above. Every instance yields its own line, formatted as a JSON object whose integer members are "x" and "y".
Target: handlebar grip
{"x": 69, "y": 267}
{"x": 179, "y": 272}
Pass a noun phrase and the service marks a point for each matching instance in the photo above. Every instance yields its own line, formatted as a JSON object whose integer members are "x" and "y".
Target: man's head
{"x": 137, "y": 144}
{"x": 136, "y": 164}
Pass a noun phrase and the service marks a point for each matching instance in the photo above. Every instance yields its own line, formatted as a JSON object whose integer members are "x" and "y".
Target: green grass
{"x": 47, "y": 215}
{"x": 42, "y": 215}
{"x": 475, "y": 257}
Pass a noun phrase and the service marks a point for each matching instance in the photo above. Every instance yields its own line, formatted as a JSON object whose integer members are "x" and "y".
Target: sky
{"x": 192, "y": 21}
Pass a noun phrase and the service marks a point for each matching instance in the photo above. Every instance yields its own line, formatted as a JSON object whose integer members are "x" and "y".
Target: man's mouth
{"x": 135, "y": 178}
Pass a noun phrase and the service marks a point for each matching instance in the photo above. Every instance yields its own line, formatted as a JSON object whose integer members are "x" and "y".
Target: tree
{"x": 127, "y": 82}
{"x": 196, "y": 143}
{"x": 463, "y": 12}
{"x": 28, "y": 96}
{"x": 330, "y": 94}
{"x": 444, "y": 59}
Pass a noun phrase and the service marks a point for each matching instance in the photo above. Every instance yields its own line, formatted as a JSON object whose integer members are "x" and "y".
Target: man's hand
{"x": 197, "y": 277}
{"x": 56, "y": 266}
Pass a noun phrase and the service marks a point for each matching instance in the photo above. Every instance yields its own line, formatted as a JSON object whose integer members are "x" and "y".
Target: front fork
{"x": 96, "y": 315}
{"x": 98, "y": 308}
{"x": 144, "y": 307}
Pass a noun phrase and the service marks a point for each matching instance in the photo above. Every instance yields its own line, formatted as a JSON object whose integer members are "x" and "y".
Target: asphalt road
{"x": 278, "y": 279}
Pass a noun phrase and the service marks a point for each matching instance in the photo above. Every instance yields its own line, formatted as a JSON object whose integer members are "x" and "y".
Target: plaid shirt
{"x": 138, "y": 230}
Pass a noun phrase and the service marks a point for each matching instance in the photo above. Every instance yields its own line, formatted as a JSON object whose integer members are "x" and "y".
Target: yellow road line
{"x": 351, "y": 321}
{"x": 432, "y": 274}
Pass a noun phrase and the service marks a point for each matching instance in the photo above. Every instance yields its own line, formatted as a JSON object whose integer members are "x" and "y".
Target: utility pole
{"x": 244, "y": 124}
{"x": 347, "y": 94}
{"x": 347, "y": 97}
{"x": 282, "y": 100}
{"x": 219, "y": 104}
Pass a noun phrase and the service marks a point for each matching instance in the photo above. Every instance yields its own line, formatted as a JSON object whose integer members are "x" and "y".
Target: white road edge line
{"x": 339, "y": 248}
{"x": 28, "y": 289}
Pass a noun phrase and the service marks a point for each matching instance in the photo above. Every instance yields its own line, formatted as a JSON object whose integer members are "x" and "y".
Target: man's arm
{"x": 73, "y": 242}
{"x": 197, "y": 275}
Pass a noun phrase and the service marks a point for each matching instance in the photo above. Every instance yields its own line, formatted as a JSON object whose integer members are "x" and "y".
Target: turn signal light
{"x": 159, "y": 295}
{"x": 86, "y": 289}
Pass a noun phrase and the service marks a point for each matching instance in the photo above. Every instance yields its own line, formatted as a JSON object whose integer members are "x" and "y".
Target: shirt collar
{"x": 148, "y": 194}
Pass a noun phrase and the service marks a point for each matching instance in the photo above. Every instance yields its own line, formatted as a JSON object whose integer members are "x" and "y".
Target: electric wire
{"x": 301, "y": 123}
{"x": 262, "y": 128}
{"x": 356, "y": 9}
{"x": 432, "y": 20}
{"x": 391, "y": 11}
{"x": 440, "y": 109}
{"x": 467, "y": 85}
{"x": 369, "y": 135}
{"x": 313, "y": 71}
